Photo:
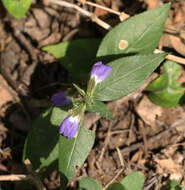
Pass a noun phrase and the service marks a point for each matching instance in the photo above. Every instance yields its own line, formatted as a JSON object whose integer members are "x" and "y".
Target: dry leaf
{"x": 177, "y": 44}
{"x": 5, "y": 93}
{"x": 148, "y": 111}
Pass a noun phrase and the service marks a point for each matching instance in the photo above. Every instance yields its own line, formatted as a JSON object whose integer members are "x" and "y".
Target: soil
{"x": 143, "y": 136}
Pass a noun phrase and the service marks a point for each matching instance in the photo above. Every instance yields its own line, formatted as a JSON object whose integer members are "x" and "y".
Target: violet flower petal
{"x": 100, "y": 71}
{"x": 64, "y": 124}
{"x": 69, "y": 126}
{"x": 73, "y": 131}
{"x": 60, "y": 99}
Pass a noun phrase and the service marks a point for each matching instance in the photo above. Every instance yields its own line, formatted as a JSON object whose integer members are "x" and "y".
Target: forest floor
{"x": 143, "y": 136}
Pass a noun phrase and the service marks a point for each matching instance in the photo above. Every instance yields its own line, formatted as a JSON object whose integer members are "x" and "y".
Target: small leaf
{"x": 138, "y": 34}
{"x": 133, "y": 181}
{"x": 116, "y": 186}
{"x": 76, "y": 56}
{"x": 73, "y": 152}
{"x": 41, "y": 145}
{"x": 127, "y": 74}
{"x": 165, "y": 91}
{"x": 87, "y": 183}
{"x": 174, "y": 185}
{"x": 80, "y": 91}
{"x": 99, "y": 108}
{"x": 17, "y": 8}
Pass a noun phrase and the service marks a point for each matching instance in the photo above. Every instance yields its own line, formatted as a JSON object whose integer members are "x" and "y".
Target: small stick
{"x": 71, "y": 5}
{"x": 122, "y": 15}
{"x": 142, "y": 130}
{"x": 14, "y": 177}
{"x": 106, "y": 142}
{"x": 93, "y": 17}
{"x": 151, "y": 183}
{"x": 120, "y": 156}
{"x": 99, "y": 6}
{"x": 172, "y": 57}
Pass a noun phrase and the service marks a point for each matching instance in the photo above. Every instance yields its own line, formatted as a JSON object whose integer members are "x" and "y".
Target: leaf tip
{"x": 167, "y": 6}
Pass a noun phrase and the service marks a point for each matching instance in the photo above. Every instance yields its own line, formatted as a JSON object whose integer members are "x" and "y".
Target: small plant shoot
{"x": 100, "y": 70}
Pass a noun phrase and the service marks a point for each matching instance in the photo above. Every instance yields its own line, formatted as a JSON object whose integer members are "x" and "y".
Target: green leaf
{"x": 116, "y": 186}
{"x": 87, "y": 183}
{"x": 73, "y": 152}
{"x": 174, "y": 185}
{"x": 41, "y": 145}
{"x": 138, "y": 34}
{"x": 100, "y": 108}
{"x": 127, "y": 74}
{"x": 165, "y": 91}
{"x": 133, "y": 181}
{"x": 76, "y": 56}
{"x": 17, "y": 8}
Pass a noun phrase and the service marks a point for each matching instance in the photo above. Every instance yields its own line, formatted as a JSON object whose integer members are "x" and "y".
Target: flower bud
{"x": 60, "y": 99}
{"x": 100, "y": 71}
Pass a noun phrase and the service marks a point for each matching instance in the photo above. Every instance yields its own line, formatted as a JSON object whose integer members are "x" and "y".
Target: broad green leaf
{"x": 17, "y": 8}
{"x": 133, "y": 181}
{"x": 73, "y": 152}
{"x": 138, "y": 34}
{"x": 127, "y": 74}
{"x": 87, "y": 183}
{"x": 41, "y": 145}
{"x": 100, "y": 108}
{"x": 166, "y": 91}
{"x": 116, "y": 186}
{"x": 76, "y": 56}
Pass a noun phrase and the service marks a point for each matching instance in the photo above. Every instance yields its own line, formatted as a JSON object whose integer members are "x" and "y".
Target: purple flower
{"x": 100, "y": 71}
{"x": 60, "y": 99}
{"x": 69, "y": 126}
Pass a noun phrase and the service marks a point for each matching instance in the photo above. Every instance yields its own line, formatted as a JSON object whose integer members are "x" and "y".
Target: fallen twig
{"x": 172, "y": 57}
{"x": 84, "y": 12}
{"x": 100, "y": 6}
{"x": 32, "y": 176}
{"x": 14, "y": 177}
{"x": 106, "y": 142}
